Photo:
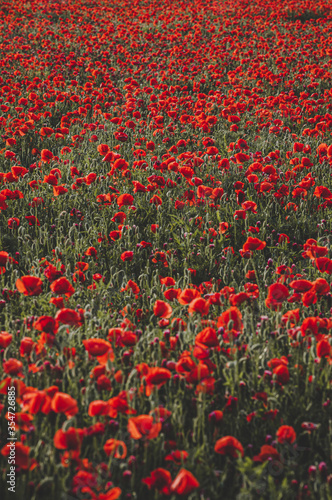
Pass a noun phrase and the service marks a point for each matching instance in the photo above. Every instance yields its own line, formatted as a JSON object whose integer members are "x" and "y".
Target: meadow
{"x": 165, "y": 261}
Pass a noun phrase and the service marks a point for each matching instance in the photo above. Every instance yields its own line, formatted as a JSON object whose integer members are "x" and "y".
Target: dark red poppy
{"x": 324, "y": 265}
{"x": 156, "y": 377}
{"x": 46, "y": 155}
{"x": 21, "y": 456}
{"x": 46, "y": 324}
{"x": 267, "y": 452}
{"x": 230, "y": 446}
{"x": 253, "y": 244}
{"x": 277, "y": 294}
{"x": 69, "y": 440}
{"x": 159, "y": 479}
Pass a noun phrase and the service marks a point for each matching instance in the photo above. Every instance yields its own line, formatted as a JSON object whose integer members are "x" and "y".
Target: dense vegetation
{"x": 165, "y": 232}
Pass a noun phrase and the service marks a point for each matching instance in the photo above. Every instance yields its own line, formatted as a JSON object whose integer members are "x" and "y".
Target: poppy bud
{"x": 323, "y": 470}
{"x": 268, "y": 439}
{"x": 312, "y": 471}
{"x": 127, "y": 475}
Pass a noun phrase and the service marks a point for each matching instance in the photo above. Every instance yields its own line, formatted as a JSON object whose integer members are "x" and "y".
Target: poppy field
{"x": 165, "y": 260}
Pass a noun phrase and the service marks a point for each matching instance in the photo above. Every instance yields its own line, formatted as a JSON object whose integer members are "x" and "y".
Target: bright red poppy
{"x": 184, "y": 483}
{"x": 29, "y": 285}
{"x": 143, "y": 426}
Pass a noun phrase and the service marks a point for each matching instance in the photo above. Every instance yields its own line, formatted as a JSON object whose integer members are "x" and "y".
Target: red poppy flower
{"x": 208, "y": 337}
{"x": 58, "y": 190}
{"x": 282, "y": 373}
{"x": 26, "y": 346}
{"x": 156, "y": 200}
{"x": 69, "y": 317}
{"x": 323, "y": 192}
{"x": 63, "y": 403}
{"x": 46, "y": 155}
{"x": 143, "y": 426}
{"x": 29, "y": 285}
{"x": 215, "y": 417}
{"x": 4, "y": 258}
{"x": 172, "y": 293}
{"x": 184, "y": 483}
{"x": 127, "y": 256}
{"x": 21, "y": 456}
{"x": 46, "y": 324}
{"x": 162, "y": 310}
{"x": 231, "y": 320}
{"x": 5, "y": 339}
{"x": 125, "y": 199}
{"x": 150, "y": 146}
{"x": 266, "y": 453}
{"x": 119, "y": 217}
{"x": 283, "y": 238}
{"x": 115, "y": 235}
{"x": 115, "y": 448}
{"x": 159, "y": 479}
{"x": 177, "y": 456}
{"x": 103, "y": 149}
{"x": 240, "y": 215}
{"x": 301, "y": 285}
{"x": 188, "y": 295}
{"x": 51, "y": 179}
{"x": 62, "y": 286}
{"x": 324, "y": 265}
{"x": 309, "y": 298}
{"x": 13, "y": 222}
{"x": 229, "y": 445}
{"x": 98, "y": 408}
{"x": 253, "y": 244}
{"x": 273, "y": 363}
{"x": 321, "y": 286}
{"x": 156, "y": 377}
{"x": 69, "y": 440}
{"x": 199, "y": 305}
{"x": 23, "y": 421}
{"x": 36, "y": 401}
{"x": 292, "y": 316}
{"x": 97, "y": 347}
{"x": 13, "y": 367}
{"x": 277, "y": 294}
{"x": 58, "y": 302}
{"x": 286, "y": 434}
{"x": 112, "y": 494}
{"x": 120, "y": 404}
{"x": 311, "y": 325}
{"x": 324, "y": 348}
